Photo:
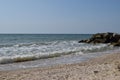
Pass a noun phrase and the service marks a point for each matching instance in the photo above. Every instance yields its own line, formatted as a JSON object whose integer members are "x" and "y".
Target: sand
{"x": 106, "y": 67}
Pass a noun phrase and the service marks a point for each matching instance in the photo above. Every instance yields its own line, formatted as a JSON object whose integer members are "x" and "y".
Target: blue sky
{"x": 59, "y": 16}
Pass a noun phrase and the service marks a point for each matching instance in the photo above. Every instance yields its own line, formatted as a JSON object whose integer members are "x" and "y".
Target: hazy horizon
{"x": 59, "y": 33}
{"x": 59, "y": 16}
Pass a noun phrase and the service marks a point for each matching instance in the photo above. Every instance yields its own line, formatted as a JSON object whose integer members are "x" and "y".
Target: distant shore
{"x": 106, "y": 67}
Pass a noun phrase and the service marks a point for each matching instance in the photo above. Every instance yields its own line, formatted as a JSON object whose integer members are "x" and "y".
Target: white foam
{"x": 36, "y": 51}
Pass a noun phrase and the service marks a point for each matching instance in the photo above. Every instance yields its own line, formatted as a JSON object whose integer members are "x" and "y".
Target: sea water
{"x": 42, "y": 49}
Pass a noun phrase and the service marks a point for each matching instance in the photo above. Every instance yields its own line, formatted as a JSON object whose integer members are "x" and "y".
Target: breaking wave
{"x": 32, "y": 51}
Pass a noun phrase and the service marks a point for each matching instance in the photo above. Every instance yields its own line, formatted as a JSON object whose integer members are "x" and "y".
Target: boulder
{"x": 112, "y": 38}
{"x": 116, "y": 43}
{"x": 82, "y": 41}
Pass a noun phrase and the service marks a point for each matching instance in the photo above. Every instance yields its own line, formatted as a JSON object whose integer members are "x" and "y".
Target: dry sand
{"x": 106, "y": 67}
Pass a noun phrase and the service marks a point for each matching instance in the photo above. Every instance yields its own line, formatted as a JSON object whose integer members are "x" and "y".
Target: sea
{"x": 18, "y": 51}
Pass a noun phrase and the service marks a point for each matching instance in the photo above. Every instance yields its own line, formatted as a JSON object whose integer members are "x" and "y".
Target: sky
{"x": 59, "y": 16}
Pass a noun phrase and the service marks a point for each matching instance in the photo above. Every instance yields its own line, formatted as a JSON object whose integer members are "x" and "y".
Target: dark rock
{"x": 82, "y": 41}
{"x": 112, "y": 38}
{"x": 99, "y": 41}
{"x": 96, "y": 72}
{"x": 116, "y": 44}
{"x": 88, "y": 41}
{"x": 116, "y": 38}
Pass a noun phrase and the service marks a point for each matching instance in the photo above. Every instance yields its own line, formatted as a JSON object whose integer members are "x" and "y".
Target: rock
{"x": 116, "y": 38}
{"x": 116, "y": 44}
{"x": 112, "y": 38}
{"x": 95, "y": 72}
{"x": 99, "y": 41}
{"x": 88, "y": 41}
{"x": 82, "y": 41}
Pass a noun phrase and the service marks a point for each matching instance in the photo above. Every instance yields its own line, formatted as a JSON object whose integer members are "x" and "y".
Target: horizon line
{"x": 46, "y": 33}
{"x": 58, "y": 33}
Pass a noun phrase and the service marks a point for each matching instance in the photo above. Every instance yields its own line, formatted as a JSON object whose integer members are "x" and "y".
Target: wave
{"x": 33, "y": 51}
{"x": 22, "y": 58}
{"x": 24, "y": 44}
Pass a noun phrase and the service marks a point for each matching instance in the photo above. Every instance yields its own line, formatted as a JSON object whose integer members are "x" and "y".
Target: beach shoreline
{"x": 106, "y": 67}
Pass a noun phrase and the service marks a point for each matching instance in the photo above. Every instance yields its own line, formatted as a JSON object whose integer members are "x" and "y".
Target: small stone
{"x": 96, "y": 72}
{"x": 118, "y": 67}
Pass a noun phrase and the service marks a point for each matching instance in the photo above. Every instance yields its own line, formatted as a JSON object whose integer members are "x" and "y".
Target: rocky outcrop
{"x": 112, "y": 38}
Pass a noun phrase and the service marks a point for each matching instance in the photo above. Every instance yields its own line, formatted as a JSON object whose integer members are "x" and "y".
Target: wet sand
{"x": 106, "y": 67}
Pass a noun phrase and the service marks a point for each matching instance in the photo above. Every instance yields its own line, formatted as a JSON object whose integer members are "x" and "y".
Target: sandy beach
{"x": 106, "y": 67}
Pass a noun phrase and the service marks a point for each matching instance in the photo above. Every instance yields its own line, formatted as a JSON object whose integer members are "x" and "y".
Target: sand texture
{"x": 106, "y": 67}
